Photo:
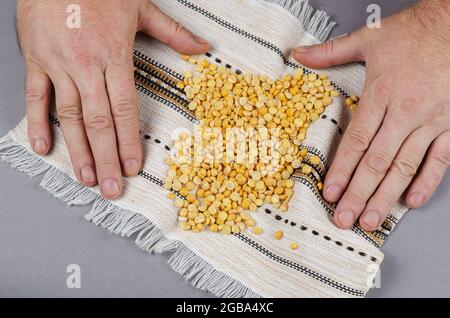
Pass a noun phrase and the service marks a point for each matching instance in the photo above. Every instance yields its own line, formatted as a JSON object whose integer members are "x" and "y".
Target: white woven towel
{"x": 252, "y": 36}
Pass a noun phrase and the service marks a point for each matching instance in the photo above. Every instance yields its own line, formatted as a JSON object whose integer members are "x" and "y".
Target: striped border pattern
{"x": 305, "y": 270}
{"x": 158, "y": 82}
{"x": 256, "y": 39}
{"x": 154, "y": 79}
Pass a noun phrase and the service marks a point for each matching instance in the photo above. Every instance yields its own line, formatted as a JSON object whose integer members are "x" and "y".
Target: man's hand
{"x": 91, "y": 69}
{"x": 402, "y": 122}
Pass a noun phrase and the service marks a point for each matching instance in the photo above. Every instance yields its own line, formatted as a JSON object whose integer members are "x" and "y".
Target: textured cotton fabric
{"x": 246, "y": 36}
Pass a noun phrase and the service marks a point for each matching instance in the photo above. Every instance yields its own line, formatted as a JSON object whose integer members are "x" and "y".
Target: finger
{"x": 431, "y": 173}
{"x": 100, "y": 131}
{"x": 334, "y": 52}
{"x": 68, "y": 106}
{"x": 356, "y": 140}
{"x": 123, "y": 99}
{"x": 371, "y": 171}
{"x": 37, "y": 93}
{"x": 399, "y": 176}
{"x": 160, "y": 26}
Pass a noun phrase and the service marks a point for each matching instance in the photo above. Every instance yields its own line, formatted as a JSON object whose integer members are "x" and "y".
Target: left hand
{"x": 402, "y": 122}
{"x": 91, "y": 70}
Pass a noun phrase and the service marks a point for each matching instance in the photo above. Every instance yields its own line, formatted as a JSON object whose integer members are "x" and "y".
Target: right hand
{"x": 398, "y": 141}
{"x": 91, "y": 69}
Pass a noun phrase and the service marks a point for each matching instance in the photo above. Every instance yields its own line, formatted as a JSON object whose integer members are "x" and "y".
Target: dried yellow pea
{"x": 220, "y": 196}
{"x": 279, "y": 235}
{"x": 257, "y": 230}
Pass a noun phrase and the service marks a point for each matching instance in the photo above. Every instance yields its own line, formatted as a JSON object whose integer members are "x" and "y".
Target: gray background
{"x": 40, "y": 236}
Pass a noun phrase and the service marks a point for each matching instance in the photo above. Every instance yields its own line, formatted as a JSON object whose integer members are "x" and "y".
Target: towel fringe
{"x": 315, "y": 22}
{"x": 123, "y": 222}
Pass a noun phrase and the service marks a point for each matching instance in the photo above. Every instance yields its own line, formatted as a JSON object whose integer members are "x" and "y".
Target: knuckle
{"x": 379, "y": 95}
{"x": 94, "y": 91}
{"x": 358, "y": 38}
{"x": 328, "y": 49}
{"x": 339, "y": 172}
{"x": 382, "y": 89}
{"x": 69, "y": 113}
{"x": 99, "y": 123}
{"x": 106, "y": 163}
{"x": 384, "y": 204}
{"x": 404, "y": 167}
{"x": 435, "y": 117}
{"x": 35, "y": 96}
{"x": 442, "y": 157}
{"x": 356, "y": 200}
{"x": 377, "y": 162}
{"x": 131, "y": 148}
{"x": 118, "y": 53}
{"x": 80, "y": 156}
{"x": 411, "y": 105}
{"x": 357, "y": 140}
{"x": 125, "y": 111}
{"x": 83, "y": 59}
{"x": 177, "y": 29}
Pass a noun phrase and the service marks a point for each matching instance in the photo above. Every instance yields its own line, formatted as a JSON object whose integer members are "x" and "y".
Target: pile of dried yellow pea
{"x": 218, "y": 194}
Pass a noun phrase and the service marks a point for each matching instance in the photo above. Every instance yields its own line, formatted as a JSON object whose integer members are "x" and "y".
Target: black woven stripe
{"x": 393, "y": 219}
{"x": 310, "y": 149}
{"x": 273, "y": 256}
{"x": 280, "y": 218}
{"x": 302, "y": 180}
{"x": 140, "y": 66}
{"x": 307, "y": 271}
{"x": 151, "y": 178}
{"x": 160, "y": 89}
{"x": 317, "y": 174}
{"x": 328, "y": 281}
{"x": 157, "y": 181}
{"x": 158, "y": 65}
{"x": 335, "y": 123}
{"x": 256, "y": 39}
{"x": 314, "y": 174}
{"x": 379, "y": 234}
{"x": 54, "y": 120}
{"x": 330, "y": 211}
{"x": 317, "y": 153}
{"x": 167, "y": 103}
{"x": 183, "y": 101}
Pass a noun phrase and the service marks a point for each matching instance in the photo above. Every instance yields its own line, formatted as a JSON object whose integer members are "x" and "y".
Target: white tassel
{"x": 316, "y": 23}
{"x": 123, "y": 222}
{"x": 205, "y": 277}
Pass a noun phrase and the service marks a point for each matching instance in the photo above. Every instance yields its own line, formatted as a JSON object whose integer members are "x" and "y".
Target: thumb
{"x": 163, "y": 28}
{"x": 334, "y": 52}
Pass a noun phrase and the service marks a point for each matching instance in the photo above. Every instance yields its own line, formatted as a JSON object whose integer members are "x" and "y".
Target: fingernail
{"x": 39, "y": 146}
{"x": 417, "y": 199}
{"x": 302, "y": 49}
{"x": 372, "y": 219}
{"x": 110, "y": 188}
{"x": 200, "y": 40}
{"x": 87, "y": 174}
{"x": 346, "y": 218}
{"x": 333, "y": 192}
{"x": 131, "y": 167}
